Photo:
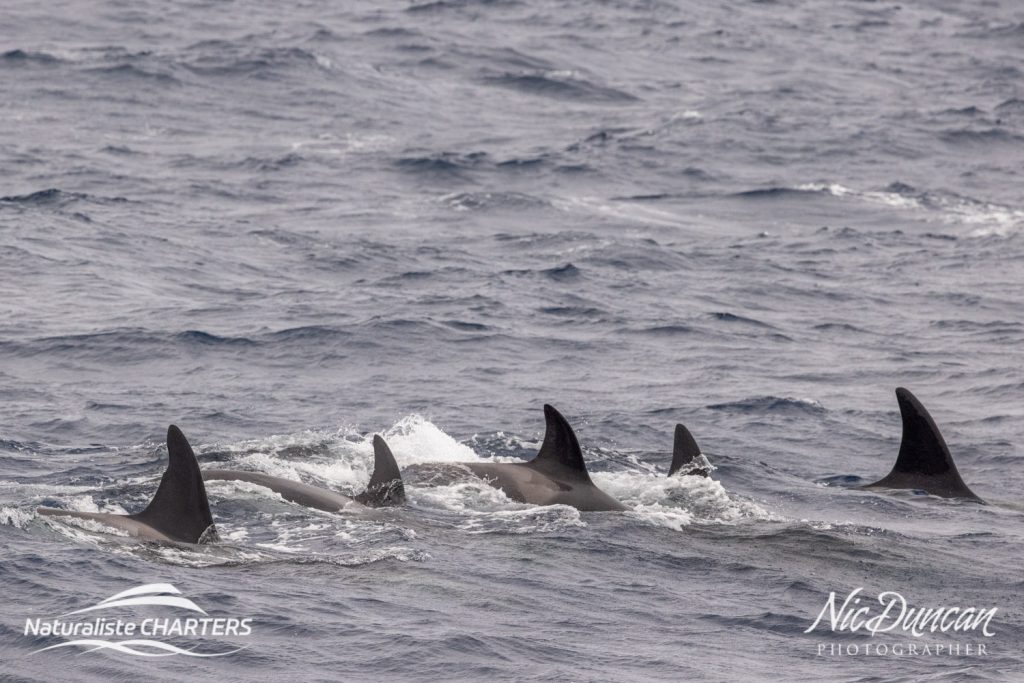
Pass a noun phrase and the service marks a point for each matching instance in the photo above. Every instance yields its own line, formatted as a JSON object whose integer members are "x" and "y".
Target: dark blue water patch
{"x": 573, "y": 311}
{"x": 333, "y": 263}
{"x": 984, "y": 136}
{"x": 119, "y": 150}
{"x": 54, "y": 198}
{"x": 733, "y": 318}
{"x": 777, "y": 193}
{"x": 141, "y": 344}
{"x": 668, "y": 330}
{"x": 968, "y": 112}
{"x": 575, "y": 169}
{"x": 945, "y": 237}
{"x": 466, "y": 326}
{"x": 645, "y": 197}
{"x": 699, "y": 174}
{"x": 132, "y": 73}
{"x": 208, "y": 339}
{"x": 283, "y": 237}
{"x": 999, "y": 327}
{"x": 430, "y": 62}
{"x": 99, "y": 406}
{"x": 841, "y": 328}
{"x": 47, "y": 197}
{"x": 1011, "y": 110}
{"x": 415, "y": 275}
{"x": 19, "y": 57}
{"x": 598, "y": 139}
{"x": 523, "y": 163}
{"x": 788, "y": 624}
{"x": 566, "y": 273}
{"x": 273, "y": 164}
{"x": 457, "y": 5}
{"x": 444, "y": 165}
{"x": 1012, "y": 30}
{"x": 559, "y": 88}
{"x": 771, "y": 405}
{"x": 903, "y": 189}
{"x": 29, "y": 447}
{"x": 543, "y": 240}
{"x": 308, "y": 333}
{"x": 386, "y": 32}
{"x": 842, "y": 480}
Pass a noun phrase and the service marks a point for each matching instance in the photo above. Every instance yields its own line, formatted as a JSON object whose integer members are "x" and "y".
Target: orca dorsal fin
{"x": 385, "y": 488}
{"x": 179, "y": 508}
{"x": 560, "y": 455}
{"x": 924, "y": 461}
{"x": 684, "y": 451}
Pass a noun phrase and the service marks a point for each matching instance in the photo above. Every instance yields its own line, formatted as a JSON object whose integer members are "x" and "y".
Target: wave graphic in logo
{"x": 149, "y": 594}
{"x": 128, "y": 647}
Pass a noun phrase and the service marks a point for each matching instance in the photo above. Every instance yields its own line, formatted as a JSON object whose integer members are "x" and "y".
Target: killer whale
{"x": 686, "y": 455}
{"x": 179, "y": 510}
{"x": 924, "y": 462}
{"x": 556, "y": 476}
{"x": 385, "y": 488}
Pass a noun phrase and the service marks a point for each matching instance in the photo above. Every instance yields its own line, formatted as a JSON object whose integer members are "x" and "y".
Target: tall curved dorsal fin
{"x": 924, "y": 461}
{"x": 179, "y": 508}
{"x": 385, "y": 488}
{"x": 560, "y": 455}
{"x": 684, "y": 451}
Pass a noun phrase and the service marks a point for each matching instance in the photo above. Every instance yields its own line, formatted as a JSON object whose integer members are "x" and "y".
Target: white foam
{"x": 74, "y": 527}
{"x": 16, "y": 517}
{"x": 677, "y": 501}
{"x": 17, "y": 488}
{"x": 687, "y": 115}
{"x": 989, "y": 218}
{"x": 343, "y": 460}
{"x": 629, "y": 211}
{"x": 331, "y": 145}
{"x": 85, "y": 503}
{"x": 415, "y": 439}
{"x": 532, "y": 520}
{"x": 466, "y": 496}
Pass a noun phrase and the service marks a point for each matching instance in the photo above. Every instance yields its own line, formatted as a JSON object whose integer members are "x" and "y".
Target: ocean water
{"x": 287, "y": 228}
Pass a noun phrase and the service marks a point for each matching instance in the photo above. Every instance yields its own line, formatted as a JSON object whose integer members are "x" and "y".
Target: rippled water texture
{"x": 287, "y": 228}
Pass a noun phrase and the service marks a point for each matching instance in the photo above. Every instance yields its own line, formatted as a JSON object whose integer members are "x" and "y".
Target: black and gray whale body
{"x": 557, "y": 476}
{"x": 924, "y": 462}
{"x": 384, "y": 490}
{"x": 179, "y": 511}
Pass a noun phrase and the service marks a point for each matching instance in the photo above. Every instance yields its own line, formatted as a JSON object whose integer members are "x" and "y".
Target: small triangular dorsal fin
{"x": 684, "y": 451}
{"x": 179, "y": 508}
{"x": 385, "y": 488}
{"x": 924, "y": 461}
{"x": 560, "y": 455}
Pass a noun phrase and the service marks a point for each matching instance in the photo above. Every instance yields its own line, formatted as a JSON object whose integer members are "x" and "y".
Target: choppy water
{"x": 286, "y": 228}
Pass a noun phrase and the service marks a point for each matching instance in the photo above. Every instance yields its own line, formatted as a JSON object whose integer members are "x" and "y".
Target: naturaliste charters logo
{"x": 895, "y": 616}
{"x": 140, "y": 637}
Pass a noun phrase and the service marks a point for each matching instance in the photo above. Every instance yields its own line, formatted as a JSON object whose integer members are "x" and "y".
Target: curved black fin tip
{"x": 924, "y": 461}
{"x": 684, "y": 452}
{"x": 385, "y": 488}
{"x": 560, "y": 454}
{"x": 179, "y": 508}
